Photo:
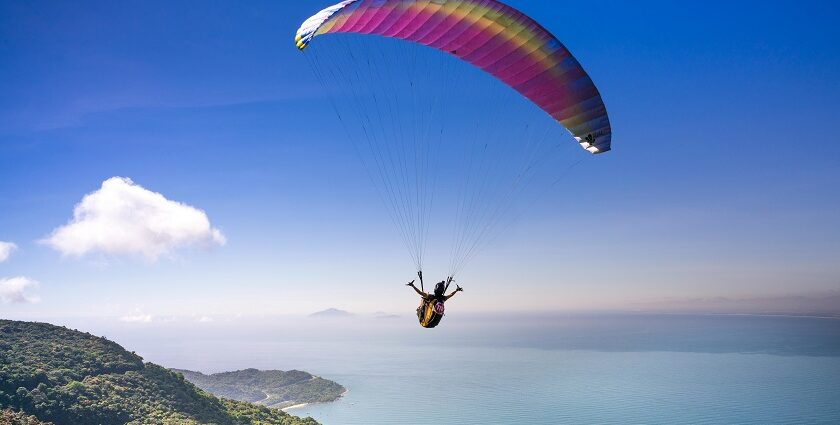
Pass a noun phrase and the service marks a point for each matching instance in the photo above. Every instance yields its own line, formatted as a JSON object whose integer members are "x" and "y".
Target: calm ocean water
{"x": 525, "y": 386}
{"x": 535, "y": 370}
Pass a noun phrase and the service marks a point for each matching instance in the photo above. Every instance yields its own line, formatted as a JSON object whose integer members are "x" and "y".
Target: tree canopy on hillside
{"x": 68, "y": 377}
{"x": 274, "y": 388}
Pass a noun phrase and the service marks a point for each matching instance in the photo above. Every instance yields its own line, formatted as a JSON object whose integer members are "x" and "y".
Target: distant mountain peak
{"x": 331, "y": 312}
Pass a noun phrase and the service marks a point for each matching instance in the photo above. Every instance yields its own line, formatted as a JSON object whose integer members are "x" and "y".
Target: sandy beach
{"x": 298, "y": 406}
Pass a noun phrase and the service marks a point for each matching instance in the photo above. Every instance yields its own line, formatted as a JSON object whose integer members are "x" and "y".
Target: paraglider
{"x": 432, "y": 306}
{"x": 402, "y": 105}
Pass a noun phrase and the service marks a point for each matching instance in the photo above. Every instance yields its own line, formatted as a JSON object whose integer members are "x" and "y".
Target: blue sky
{"x": 721, "y": 184}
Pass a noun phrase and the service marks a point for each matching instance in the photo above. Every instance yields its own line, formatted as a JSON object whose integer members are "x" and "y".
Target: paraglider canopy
{"x": 495, "y": 37}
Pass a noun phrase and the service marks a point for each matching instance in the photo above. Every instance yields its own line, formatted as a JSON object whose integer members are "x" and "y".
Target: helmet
{"x": 440, "y": 288}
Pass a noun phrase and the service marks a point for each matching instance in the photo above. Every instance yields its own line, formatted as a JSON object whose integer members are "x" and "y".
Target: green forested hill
{"x": 68, "y": 377}
{"x": 10, "y": 417}
{"x": 274, "y": 388}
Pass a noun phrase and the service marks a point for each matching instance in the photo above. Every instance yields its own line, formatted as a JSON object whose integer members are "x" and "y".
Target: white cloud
{"x": 123, "y": 218}
{"x": 204, "y": 319}
{"x": 137, "y": 317}
{"x": 16, "y": 290}
{"x": 6, "y": 249}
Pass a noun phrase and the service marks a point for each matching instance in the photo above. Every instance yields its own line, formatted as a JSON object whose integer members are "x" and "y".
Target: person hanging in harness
{"x": 431, "y": 308}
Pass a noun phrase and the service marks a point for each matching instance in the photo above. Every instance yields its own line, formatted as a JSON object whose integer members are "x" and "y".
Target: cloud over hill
{"x": 17, "y": 290}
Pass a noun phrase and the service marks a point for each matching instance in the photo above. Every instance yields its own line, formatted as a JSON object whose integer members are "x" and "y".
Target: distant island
{"x": 51, "y": 374}
{"x": 272, "y": 388}
{"x": 331, "y": 312}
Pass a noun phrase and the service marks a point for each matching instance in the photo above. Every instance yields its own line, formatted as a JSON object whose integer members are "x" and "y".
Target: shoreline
{"x": 302, "y": 405}
{"x": 294, "y": 406}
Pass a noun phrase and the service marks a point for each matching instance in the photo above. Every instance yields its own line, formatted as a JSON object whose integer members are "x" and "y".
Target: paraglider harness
{"x": 432, "y": 310}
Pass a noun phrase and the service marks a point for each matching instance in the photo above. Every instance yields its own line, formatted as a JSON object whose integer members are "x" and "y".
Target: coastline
{"x": 294, "y": 406}
{"x": 302, "y": 405}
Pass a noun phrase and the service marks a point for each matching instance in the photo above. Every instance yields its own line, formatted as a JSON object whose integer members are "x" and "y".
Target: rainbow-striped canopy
{"x": 495, "y": 37}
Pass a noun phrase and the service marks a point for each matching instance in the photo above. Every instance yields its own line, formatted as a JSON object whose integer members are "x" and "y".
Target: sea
{"x": 545, "y": 369}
